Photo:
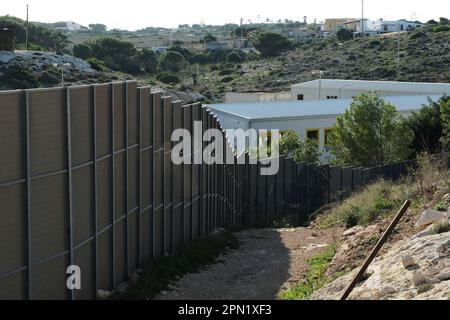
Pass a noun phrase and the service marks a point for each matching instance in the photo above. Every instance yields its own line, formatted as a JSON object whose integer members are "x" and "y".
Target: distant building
{"x": 301, "y": 33}
{"x": 238, "y": 97}
{"x": 7, "y": 39}
{"x": 383, "y": 26}
{"x": 333, "y": 25}
{"x": 309, "y": 119}
{"x": 335, "y": 89}
{"x": 347, "y": 89}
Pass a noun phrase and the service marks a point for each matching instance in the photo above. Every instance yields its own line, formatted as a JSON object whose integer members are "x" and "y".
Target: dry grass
{"x": 379, "y": 200}
{"x": 426, "y": 184}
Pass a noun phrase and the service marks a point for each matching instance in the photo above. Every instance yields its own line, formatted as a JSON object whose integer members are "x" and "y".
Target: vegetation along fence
{"x": 86, "y": 179}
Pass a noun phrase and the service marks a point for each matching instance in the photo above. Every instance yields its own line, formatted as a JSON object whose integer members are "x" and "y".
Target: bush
{"x": 47, "y": 38}
{"x": 427, "y": 128}
{"x": 379, "y": 200}
{"x": 172, "y": 61}
{"x": 272, "y": 44}
{"x": 97, "y": 65}
{"x": 344, "y": 35}
{"x": 18, "y": 78}
{"x": 236, "y": 56}
{"x": 149, "y": 61}
{"x": 200, "y": 58}
{"x": 227, "y": 79}
{"x": 370, "y": 133}
{"x": 168, "y": 78}
{"x": 441, "y": 28}
{"x": 82, "y": 51}
{"x": 117, "y": 54}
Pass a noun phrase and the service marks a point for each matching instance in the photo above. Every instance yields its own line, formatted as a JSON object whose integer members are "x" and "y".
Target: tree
{"x": 427, "y": 128}
{"x": 183, "y": 51}
{"x": 235, "y": 57}
{"x": 172, "y": 61}
{"x": 302, "y": 150}
{"x": 200, "y": 58}
{"x": 370, "y": 133}
{"x": 149, "y": 61}
{"x": 271, "y": 44}
{"x": 208, "y": 39}
{"x": 445, "y": 116}
{"x": 98, "y": 27}
{"x": 38, "y": 35}
{"x": 82, "y": 51}
{"x": 117, "y": 54}
{"x": 344, "y": 35}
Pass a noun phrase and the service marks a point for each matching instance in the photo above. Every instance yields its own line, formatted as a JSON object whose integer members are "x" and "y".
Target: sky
{"x": 138, "y": 14}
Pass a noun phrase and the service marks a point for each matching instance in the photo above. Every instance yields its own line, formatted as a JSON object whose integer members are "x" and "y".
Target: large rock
{"x": 429, "y": 217}
{"x": 389, "y": 279}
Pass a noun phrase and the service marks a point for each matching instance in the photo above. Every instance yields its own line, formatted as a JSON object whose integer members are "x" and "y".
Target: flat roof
{"x": 419, "y": 87}
{"x": 308, "y": 109}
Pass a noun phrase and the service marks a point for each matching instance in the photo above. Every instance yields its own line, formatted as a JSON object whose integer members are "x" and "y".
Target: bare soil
{"x": 268, "y": 262}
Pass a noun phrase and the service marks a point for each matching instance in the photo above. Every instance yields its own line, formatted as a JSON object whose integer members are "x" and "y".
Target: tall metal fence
{"x": 86, "y": 179}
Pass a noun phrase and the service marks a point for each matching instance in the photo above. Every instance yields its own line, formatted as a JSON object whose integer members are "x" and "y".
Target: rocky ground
{"x": 32, "y": 69}
{"x": 268, "y": 262}
{"x": 415, "y": 264}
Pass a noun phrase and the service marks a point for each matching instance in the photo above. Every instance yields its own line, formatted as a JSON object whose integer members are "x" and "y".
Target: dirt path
{"x": 268, "y": 262}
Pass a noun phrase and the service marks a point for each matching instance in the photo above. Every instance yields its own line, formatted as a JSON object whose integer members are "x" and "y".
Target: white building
{"x": 310, "y": 119}
{"x": 236, "y": 97}
{"x": 384, "y": 26}
{"x": 346, "y": 89}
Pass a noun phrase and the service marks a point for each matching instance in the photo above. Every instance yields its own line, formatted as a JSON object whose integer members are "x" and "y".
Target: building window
{"x": 300, "y": 97}
{"x": 332, "y": 97}
{"x": 327, "y": 137}
{"x": 313, "y": 134}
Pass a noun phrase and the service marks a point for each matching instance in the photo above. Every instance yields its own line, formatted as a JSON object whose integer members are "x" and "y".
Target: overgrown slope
{"x": 424, "y": 56}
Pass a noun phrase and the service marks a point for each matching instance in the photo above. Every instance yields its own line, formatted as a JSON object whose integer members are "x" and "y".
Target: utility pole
{"x": 26, "y": 32}
{"x": 362, "y": 19}
{"x": 398, "y": 47}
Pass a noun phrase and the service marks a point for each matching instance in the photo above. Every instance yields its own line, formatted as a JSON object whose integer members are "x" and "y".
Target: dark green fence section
{"x": 86, "y": 178}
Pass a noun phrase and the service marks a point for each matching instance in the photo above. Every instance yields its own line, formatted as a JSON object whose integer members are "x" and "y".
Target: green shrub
{"x": 235, "y": 57}
{"x": 272, "y": 44}
{"x": 441, "y": 28}
{"x": 82, "y": 51}
{"x": 172, "y": 61}
{"x": 378, "y": 200}
{"x": 19, "y": 78}
{"x": 316, "y": 277}
{"x": 227, "y": 79}
{"x": 97, "y": 64}
{"x": 439, "y": 228}
{"x": 168, "y": 78}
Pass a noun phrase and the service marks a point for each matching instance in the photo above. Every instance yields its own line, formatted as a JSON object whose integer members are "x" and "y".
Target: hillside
{"x": 425, "y": 56}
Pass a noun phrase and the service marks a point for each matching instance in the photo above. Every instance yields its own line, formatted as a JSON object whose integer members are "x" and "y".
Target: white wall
{"x": 343, "y": 93}
{"x": 238, "y": 97}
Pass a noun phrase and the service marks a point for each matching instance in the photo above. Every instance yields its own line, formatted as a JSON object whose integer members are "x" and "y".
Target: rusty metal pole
{"x": 377, "y": 249}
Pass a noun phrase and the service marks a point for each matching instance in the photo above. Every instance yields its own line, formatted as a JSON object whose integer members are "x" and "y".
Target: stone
{"x": 352, "y": 231}
{"x": 429, "y": 217}
{"x": 103, "y": 294}
{"x": 431, "y": 271}
{"x": 386, "y": 291}
{"x": 447, "y": 197}
{"x": 408, "y": 261}
{"x": 419, "y": 279}
{"x": 444, "y": 275}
